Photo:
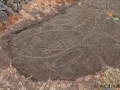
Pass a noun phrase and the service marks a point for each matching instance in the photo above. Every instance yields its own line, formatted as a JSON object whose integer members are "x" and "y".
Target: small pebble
{"x": 3, "y": 16}
{"x": 19, "y": 8}
{"x": 2, "y": 6}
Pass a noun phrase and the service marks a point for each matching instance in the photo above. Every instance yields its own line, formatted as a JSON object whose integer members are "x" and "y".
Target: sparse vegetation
{"x": 109, "y": 78}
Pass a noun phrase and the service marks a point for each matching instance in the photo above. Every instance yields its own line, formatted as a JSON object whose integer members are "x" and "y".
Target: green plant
{"x": 110, "y": 78}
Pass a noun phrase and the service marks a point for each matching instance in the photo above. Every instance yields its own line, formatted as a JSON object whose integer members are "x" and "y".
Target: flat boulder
{"x": 70, "y": 45}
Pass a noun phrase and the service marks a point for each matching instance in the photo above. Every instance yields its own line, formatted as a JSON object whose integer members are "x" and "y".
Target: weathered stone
{"x": 108, "y": 5}
{"x": 14, "y": 6}
{"x": 17, "y": 1}
{"x": 73, "y": 44}
{"x": 9, "y": 2}
{"x": 2, "y": 6}
{"x": 26, "y": 1}
{"x": 22, "y": 2}
{"x": 19, "y": 8}
{"x": 33, "y": 0}
{"x": 10, "y": 11}
{"x": 3, "y": 16}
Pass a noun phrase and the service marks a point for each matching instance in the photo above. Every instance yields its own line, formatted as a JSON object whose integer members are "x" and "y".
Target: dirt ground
{"x": 11, "y": 79}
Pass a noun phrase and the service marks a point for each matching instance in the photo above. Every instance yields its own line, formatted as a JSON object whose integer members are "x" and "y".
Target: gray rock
{"x": 107, "y": 89}
{"x": 2, "y": 6}
{"x": 19, "y": 8}
{"x": 26, "y": 1}
{"x": 14, "y": 6}
{"x": 3, "y": 16}
{"x": 112, "y": 5}
{"x": 17, "y": 1}
{"x": 10, "y": 11}
{"x": 59, "y": 52}
{"x": 33, "y": 0}
{"x": 22, "y": 2}
{"x": 9, "y": 2}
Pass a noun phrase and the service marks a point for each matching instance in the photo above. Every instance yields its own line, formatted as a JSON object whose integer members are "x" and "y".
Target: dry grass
{"x": 2, "y": 27}
{"x": 13, "y": 19}
{"x": 10, "y": 79}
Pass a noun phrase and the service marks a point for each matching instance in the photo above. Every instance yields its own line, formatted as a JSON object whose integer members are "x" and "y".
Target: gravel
{"x": 11, "y": 7}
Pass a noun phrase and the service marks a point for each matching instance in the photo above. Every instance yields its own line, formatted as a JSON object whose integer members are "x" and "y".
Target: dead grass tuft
{"x": 59, "y": 1}
{"x": 27, "y": 7}
{"x": 13, "y": 19}
{"x": 70, "y": 1}
{"x": 2, "y": 27}
{"x": 41, "y": 3}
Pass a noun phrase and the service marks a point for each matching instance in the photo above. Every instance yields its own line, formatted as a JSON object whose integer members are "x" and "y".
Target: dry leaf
{"x": 110, "y": 14}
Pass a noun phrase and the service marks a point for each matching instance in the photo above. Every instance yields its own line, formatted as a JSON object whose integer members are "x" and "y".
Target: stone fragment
{"x": 2, "y": 6}
{"x": 17, "y": 1}
{"x": 9, "y": 2}
{"x": 10, "y": 11}
{"x": 3, "y": 16}
{"x": 19, "y": 8}
{"x": 14, "y": 6}
{"x": 22, "y": 2}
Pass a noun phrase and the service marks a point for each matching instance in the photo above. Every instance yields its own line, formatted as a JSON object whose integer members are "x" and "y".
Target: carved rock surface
{"x": 109, "y": 5}
{"x": 73, "y": 44}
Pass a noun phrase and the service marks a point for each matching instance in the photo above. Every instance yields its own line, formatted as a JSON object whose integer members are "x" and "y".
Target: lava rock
{"x": 2, "y": 6}
{"x": 10, "y": 11}
{"x": 9, "y": 3}
{"x": 14, "y": 6}
{"x": 17, "y": 1}
{"x": 3, "y": 16}
{"x": 22, "y": 2}
{"x": 32, "y": 0}
{"x": 26, "y": 1}
{"x": 19, "y": 8}
{"x": 45, "y": 52}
